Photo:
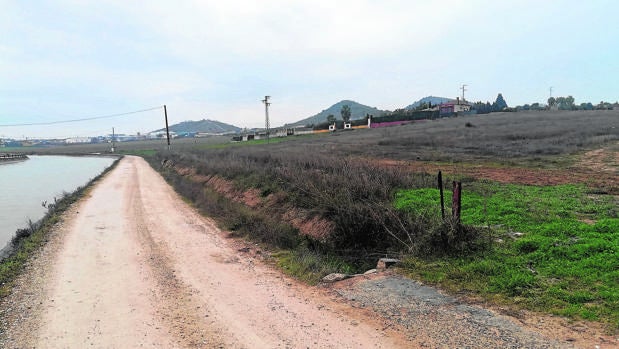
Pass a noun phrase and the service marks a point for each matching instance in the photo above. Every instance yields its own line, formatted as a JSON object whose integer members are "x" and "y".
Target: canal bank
{"x": 27, "y": 241}
{"x": 29, "y": 187}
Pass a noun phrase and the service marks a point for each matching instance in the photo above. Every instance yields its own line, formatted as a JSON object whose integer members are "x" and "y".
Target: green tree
{"x": 562, "y": 103}
{"x": 331, "y": 119}
{"x": 569, "y": 101}
{"x": 499, "y": 104}
{"x": 345, "y": 112}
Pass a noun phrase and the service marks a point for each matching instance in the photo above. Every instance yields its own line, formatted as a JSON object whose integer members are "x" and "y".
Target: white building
{"x": 78, "y": 140}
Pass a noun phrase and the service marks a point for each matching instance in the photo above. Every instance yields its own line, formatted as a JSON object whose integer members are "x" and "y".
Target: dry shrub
{"x": 334, "y": 203}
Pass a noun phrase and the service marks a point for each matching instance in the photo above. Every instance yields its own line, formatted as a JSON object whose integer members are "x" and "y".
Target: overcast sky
{"x": 71, "y": 59}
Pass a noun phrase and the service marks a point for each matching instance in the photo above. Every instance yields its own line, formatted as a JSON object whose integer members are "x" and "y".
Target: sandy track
{"x": 137, "y": 267}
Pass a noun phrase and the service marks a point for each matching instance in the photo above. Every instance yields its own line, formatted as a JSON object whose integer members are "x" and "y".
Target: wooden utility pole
{"x": 440, "y": 188}
{"x": 456, "y": 201}
{"x": 167, "y": 129}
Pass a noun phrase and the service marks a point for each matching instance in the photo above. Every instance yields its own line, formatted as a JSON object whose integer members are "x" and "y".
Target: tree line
{"x": 479, "y": 107}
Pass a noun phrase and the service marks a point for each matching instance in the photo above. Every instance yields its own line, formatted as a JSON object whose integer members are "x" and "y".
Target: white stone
{"x": 334, "y": 277}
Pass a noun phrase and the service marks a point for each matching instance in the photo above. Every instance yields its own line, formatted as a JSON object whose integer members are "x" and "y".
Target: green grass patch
{"x": 139, "y": 152}
{"x": 310, "y": 266}
{"x": 273, "y": 140}
{"x": 556, "y": 248}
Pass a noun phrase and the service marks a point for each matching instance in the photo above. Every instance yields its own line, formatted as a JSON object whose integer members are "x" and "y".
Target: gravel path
{"x": 436, "y": 320}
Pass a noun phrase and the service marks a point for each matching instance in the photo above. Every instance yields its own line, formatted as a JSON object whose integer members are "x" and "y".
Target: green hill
{"x": 358, "y": 111}
{"x": 430, "y": 99}
{"x": 204, "y": 126}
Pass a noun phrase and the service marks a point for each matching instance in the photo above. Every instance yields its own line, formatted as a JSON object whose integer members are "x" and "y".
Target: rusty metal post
{"x": 456, "y": 201}
{"x": 440, "y": 188}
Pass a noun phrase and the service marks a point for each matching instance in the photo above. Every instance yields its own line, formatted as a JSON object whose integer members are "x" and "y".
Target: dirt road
{"x": 134, "y": 266}
{"x": 137, "y": 267}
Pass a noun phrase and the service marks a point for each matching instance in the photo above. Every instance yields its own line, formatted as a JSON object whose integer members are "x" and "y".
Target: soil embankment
{"x": 134, "y": 266}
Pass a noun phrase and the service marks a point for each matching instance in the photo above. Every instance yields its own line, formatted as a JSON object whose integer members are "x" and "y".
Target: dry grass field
{"x": 498, "y": 137}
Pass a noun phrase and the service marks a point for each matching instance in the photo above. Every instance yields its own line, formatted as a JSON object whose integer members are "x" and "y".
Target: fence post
{"x": 456, "y": 201}
{"x": 440, "y": 188}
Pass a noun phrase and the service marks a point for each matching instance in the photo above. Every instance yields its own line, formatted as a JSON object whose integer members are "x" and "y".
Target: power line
{"x": 81, "y": 119}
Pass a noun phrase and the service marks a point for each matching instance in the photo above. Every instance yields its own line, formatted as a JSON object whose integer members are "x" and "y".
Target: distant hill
{"x": 206, "y": 126}
{"x": 358, "y": 111}
{"x": 430, "y": 99}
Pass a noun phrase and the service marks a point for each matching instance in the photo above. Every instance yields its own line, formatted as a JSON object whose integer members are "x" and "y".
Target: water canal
{"x": 25, "y": 185}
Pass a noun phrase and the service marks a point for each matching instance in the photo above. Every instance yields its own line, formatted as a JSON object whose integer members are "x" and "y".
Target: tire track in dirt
{"x": 172, "y": 297}
{"x": 97, "y": 292}
{"x": 258, "y": 306}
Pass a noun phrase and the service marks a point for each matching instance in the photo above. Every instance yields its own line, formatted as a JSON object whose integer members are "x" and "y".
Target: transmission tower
{"x": 266, "y": 112}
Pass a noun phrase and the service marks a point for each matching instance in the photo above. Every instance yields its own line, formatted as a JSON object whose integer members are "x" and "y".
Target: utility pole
{"x": 463, "y": 88}
{"x": 266, "y": 112}
{"x": 113, "y": 138}
{"x": 167, "y": 129}
{"x": 550, "y": 92}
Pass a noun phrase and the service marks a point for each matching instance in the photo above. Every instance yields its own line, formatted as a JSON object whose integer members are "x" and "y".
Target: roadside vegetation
{"x": 313, "y": 206}
{"x": 549, "y": 248}
{"x": 29, "y": 240}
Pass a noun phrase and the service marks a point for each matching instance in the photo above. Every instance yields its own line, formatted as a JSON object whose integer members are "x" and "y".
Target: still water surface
{"x": 26, "y": 184}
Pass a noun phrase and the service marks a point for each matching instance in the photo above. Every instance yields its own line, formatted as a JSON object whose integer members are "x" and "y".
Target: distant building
{"x": 78, "y": 140}
{"x": 302, "y": 131}
{"x": 161, "y": 134}
{"x": 452, "y": 108}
